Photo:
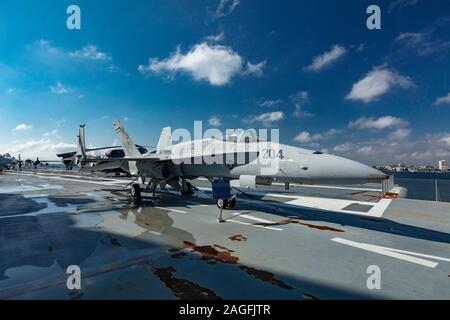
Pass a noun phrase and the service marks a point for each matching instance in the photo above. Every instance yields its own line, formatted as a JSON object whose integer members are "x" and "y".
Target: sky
{"x": 309, "y": 68}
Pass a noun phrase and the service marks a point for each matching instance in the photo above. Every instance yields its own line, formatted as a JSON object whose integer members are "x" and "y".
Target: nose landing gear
{"x": 226, "y": 203}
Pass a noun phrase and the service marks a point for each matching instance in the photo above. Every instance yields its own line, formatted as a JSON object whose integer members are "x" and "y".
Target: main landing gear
{"x": 136, "y": 191}
{"x": 186, "y": 188}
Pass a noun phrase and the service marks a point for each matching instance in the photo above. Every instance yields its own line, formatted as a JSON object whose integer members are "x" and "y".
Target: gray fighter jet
{"x": 7, "y": 162}
{"x": 73, "y": 158}
{"x": 243, "y": 159}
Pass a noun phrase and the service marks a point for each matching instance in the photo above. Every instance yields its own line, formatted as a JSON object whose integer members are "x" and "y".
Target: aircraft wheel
{"x": 231, "y": 203}
{"x": 222, "y": 203}
{"x": 188, "y": 190}
{"x": 136, "y": 191}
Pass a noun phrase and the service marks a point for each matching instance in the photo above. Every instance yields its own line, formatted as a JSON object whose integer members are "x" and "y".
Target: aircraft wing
{"x": 142, "y": 159}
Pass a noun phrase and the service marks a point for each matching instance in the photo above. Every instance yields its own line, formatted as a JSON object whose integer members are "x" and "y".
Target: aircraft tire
{"x": 136, "y": 191}
{"x": 188, "y": 191}
{"x": 222, "y": 203}
{"x": 231, "y": 203}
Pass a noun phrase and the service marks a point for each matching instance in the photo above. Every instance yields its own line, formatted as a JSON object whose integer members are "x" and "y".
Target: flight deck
{"x": 308, "y": 242}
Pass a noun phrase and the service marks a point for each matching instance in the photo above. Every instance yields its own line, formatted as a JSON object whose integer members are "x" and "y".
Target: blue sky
{"x": 310, "y": 68}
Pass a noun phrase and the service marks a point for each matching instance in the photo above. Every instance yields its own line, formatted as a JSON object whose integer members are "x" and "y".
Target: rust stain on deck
{"x": 295, "y": 221}
{"x": 209, "y": 253}
{"x": 238, "y": 237}
{"x": 184, "y": 289}
{"x": 212, "y": 255}
{"x": 266, "y": 276}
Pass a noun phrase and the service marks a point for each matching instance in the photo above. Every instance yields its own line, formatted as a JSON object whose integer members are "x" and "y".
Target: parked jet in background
{"x": 175, "y": 164}
{"x": 7, "y": 162}
{"x": 72, "y": 158}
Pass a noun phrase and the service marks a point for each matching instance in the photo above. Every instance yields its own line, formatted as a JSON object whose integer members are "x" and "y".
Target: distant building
{"x": 442, "y": 165}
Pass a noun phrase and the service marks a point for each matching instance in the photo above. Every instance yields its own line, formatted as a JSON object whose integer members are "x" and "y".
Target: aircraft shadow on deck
{"x": 55, "y": 238}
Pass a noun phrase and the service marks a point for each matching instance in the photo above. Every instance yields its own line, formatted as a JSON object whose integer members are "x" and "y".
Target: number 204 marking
{"x": 272, "y": 154}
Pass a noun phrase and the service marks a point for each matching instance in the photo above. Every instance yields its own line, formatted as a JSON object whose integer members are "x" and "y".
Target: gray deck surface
{"x": 175, "y": 248}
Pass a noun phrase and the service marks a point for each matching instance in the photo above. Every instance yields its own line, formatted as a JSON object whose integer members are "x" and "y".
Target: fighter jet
{"x": 7, "y": 162}
{"x": 72, "y": 159}
{"x": 245, "y": 160}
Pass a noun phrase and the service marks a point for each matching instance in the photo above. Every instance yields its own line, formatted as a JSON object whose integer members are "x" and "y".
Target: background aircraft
{"x": 7, "y": 162}
{"x": 72, "y": 158}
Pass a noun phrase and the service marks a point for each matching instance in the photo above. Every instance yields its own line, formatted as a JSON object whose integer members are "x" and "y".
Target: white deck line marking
{"x": 105, "y": 183}
{"x": 169, "y": 209}
{"x": 254, "y": 225}
{"x": 197, "y": 203}
{"x": 380, "y": 207}
{"x": 109, "y": 182}
{"x": 72, "y": 175}
{"x": 417, "y": 254}
{"x": 387, "y": 252}
{"x": 246, "y": 216}
{"x": 333, "y": 199}
{"x": 327, "y": 204}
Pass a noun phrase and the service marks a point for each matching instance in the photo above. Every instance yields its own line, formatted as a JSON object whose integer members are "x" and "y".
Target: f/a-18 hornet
{"x": 241, "y": 157}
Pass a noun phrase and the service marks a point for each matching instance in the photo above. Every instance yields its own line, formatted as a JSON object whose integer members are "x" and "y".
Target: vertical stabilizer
{"x": 165, "y": 140}
{"x": 128, "y": 145}
{"x": 81, "y": 142}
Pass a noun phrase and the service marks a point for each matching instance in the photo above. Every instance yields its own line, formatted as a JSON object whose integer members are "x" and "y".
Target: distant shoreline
{"x": 421, "y": 175}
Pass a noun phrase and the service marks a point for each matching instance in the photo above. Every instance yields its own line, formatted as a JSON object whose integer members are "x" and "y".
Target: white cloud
{"x": 445, "y": 138}
{"x": 216, "y": 64}
{"x": 366, "y": 151}
{"x": 327, "y": 58}
{"x": 59, "y": 89}
{"x": 267, "y": 118}
{"x": 299, "y": 100}
{"x": 44, "y": 46}
{"x": 214, "y": 121}
{"x": 420, "y": 150}
{"x": 90, "y": 52}
{"x": 52, "y": 58}
{"x": 412, "y": 38}
{"x": 425, "y": 42}
{"x": 255, "y": 69}
{"x": 443, "y": 100}
{"x": 308, "y": 138}
{"x": 303, "y": 137}
{"x": 400, "y": 134}
{"x": 113, "y": 68}
{"x": 380, "y": 123}
{"x": 42, "y": 148}
{"x": 225, "y": 8}
{"x": 10, "y": 91}
{"x": 327, "y": 134}
{"x": 401, "y": 3}
{"x": 216, "y": 38}
{"x": 345, "y": 147}
{"x": 377, "y": 83}
{"x": 22, "y": 127}
{"x": 270, "y": 103}
{"x": 50, "y": 133}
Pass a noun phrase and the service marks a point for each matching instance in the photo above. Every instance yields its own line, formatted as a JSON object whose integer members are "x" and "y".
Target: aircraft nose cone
{"x": 357, "y": 170}
{"x": 334, "y": 169}
{"x": 376, "y": 175}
